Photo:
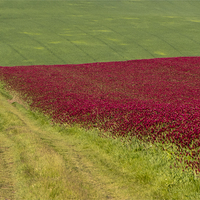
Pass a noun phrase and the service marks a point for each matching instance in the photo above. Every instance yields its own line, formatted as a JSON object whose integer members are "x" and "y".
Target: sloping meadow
{"x": 155, "y": 100}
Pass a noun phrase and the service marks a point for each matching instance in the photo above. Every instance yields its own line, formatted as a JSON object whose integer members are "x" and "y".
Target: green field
{"x": 63, "y": 32}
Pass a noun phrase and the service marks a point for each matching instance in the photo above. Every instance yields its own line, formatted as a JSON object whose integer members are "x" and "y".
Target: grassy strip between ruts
{"x": 44, "y": 161}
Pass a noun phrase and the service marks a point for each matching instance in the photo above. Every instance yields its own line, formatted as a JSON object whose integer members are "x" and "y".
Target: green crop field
{"x": 83, "y": 31}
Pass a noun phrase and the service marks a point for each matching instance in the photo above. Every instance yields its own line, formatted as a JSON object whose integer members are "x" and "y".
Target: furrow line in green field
{"x": 48, "y": 49}
{"x": 181, "y": 34}
{"x": 162, "y": 39}
{"x": 127, "y": 37}
{"x": 121, "y": 55}
{"x": 66, "y": 39}
{"x": 8, "y": 43}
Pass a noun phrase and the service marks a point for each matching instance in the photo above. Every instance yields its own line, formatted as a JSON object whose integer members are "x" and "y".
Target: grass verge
{"x": 44, "y": 161}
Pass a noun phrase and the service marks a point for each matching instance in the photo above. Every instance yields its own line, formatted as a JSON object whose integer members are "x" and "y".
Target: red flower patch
{"x": 157, "y": 100}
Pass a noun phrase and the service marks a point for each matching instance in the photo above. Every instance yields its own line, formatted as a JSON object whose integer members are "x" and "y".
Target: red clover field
{"x": 155, "y": 100}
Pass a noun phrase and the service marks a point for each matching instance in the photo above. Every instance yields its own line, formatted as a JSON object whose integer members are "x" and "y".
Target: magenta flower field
{"x": 156, "y": 100}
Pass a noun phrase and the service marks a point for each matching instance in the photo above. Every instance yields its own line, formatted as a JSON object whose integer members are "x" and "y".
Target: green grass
{"x": 44, "y": 161}
{"x": 63, "y": 32}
